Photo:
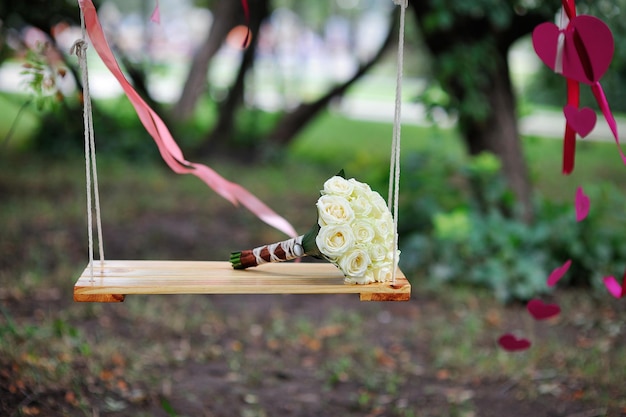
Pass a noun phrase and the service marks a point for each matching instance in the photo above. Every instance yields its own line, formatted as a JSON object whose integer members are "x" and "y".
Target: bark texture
{"x": 497, "y": 131}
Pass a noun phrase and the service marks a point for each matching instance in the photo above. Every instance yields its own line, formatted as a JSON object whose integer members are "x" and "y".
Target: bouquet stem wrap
{"x": 285, "y": 250}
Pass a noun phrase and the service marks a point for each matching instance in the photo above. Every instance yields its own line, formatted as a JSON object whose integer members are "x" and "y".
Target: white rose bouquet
{"x": 354, "y": 231}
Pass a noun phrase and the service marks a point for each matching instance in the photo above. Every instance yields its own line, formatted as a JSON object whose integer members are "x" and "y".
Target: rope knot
{"x": 78, "y": 48}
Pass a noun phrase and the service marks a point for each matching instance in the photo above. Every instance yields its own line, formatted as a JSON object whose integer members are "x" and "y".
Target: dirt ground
{"x": 240, "y": 369}
{"x": 279, "y": 355}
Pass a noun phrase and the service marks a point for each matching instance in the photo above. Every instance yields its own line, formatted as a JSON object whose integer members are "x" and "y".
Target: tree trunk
{"x": 226, "y": 16}
{"x": 222, "y": 133}
{"x": 498, "y": 132}
{"x": 292, "y": 123}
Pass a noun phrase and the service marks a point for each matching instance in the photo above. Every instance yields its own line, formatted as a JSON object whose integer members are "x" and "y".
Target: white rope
{"x": 394, "y": 165}
{"x": 80, "y": 49}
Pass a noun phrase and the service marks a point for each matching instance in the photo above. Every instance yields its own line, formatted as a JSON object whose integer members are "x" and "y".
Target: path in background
{"x": 548, "y": 124}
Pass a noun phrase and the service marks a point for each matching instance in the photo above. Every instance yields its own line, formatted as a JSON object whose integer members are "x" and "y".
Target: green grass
{"x": 17, "y": 124}
{"x": 361, "y": 147}
{"x": 596, "y": 163}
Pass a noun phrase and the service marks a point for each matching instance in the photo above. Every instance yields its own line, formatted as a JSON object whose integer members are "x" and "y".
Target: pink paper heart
{"x": 587, "y": 50}
{"x": 582, "y": 204}
{"x": 541, "y": 311}
{"x": 616, "y": 290}
{"x": 557, "y": 273}
{"x": 582, "y": 121}
{"x": 512, "y": 344}
{"x": 156, "y": 14}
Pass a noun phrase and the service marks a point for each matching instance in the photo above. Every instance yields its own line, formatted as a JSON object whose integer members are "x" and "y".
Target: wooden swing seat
{"x": 113, "y": 280}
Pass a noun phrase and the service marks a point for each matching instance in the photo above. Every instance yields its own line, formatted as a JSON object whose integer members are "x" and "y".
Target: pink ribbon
{"x": 156, "y": 14}
{"x": 598, "y": 93}
{"x": 168, "y": 148}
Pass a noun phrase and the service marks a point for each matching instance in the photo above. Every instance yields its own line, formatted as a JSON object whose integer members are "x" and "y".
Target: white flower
{"x": 360, "y": 188}
{"x": 338, "y": 186}
{"x": 354, "y": 263}
{"x": 334, "y": 210}
{"x": 379, "y": 202}
{"x": 384, "y": 229}
{"x": 356, "y": 231}
{"x": 366, "y": 278}
{"x": 363, "y": 231}
{"x": 361, "y": 205}
{"x": 378, "y": 252}
{"x": 334, "y": 241}
{"x": 383, "y": 273}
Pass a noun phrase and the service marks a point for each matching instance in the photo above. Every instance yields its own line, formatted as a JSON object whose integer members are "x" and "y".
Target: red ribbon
{"x": 573, "y": 93}
{"x": 168, "y": 148}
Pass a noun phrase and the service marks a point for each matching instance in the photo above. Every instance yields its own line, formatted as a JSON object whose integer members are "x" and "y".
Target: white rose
{"x": 360, "y": 188}
{"x": 334, "y": 210}
{"x": 389, "y": 257}
{"x": 379, "y": 202}
{"x": 384, "y": 229}
{"x": 354, "y": 263}
{"x": 366, "y": 278}
{"x": 378, "y": 252}
{"x": 334, "y": 241}
{"x": 363, "y": 232}
{"x": 382, "y": 273}
{"x": 338, "y": 186}
{"x": 361, "y": 205}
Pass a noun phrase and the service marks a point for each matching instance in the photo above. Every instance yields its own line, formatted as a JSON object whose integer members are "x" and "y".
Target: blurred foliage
{"x": 469, "y": 40}
{"x": 455, "y": 230}
{"x": 41, "y": 77}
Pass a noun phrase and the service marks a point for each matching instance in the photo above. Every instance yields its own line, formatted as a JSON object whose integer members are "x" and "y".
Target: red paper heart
{"x": 582, "y": 204}
{"x": 616, "y": 290}
{"x": 541, "y": 311}
{"x": 582, "y": 121}
{"x": 587, "y": 50}
{"x": 512, "y": 344}
{"x": 558, "y": 273}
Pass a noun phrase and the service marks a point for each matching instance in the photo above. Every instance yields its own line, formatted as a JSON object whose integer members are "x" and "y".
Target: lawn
{"x": 288, "y": 355}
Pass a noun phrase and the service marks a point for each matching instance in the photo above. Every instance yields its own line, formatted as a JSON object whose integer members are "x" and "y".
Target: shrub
{"x": 462, "y": 232}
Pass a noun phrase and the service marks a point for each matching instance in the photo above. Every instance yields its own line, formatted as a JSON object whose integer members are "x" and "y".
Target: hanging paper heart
{"x": 587, "y": 50}
{"x": 512, "y": 344}
{"x": 156, "y": 14}
{"x": 557, "y": 273}
{"x": 582, "y": 204}
{"x": 616, "y": 290}
{"x": 541, "y": 311}
{"x": 582, "y": 121}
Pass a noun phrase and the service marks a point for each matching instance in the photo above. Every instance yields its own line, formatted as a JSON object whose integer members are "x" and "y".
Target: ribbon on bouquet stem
{"x": 168, "y": 148}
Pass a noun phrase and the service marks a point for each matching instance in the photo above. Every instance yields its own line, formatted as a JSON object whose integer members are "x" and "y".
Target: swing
{"x": 111, "y": 280}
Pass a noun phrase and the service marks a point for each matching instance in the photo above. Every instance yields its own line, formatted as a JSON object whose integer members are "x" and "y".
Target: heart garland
{"x": 581, "y": 204}
{"x": 614, "y": 288}
{"x": 582, "y": 121}
{"x": 558, "y": 273}
{"x": 542, "y": 311}
{"x": 581, "y": 50}
{"x": 511, "y": 343}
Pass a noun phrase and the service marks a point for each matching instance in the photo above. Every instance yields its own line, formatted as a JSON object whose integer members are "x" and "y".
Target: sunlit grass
{"x": 18, "y": 122}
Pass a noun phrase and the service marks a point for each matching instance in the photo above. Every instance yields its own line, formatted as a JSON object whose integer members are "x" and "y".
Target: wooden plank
{"x": 114, "y": 279}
